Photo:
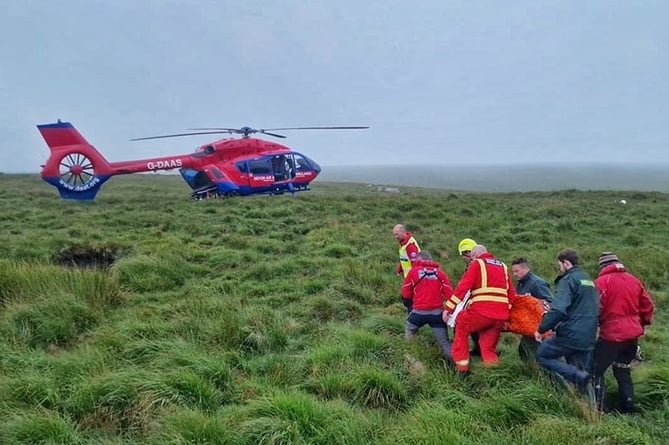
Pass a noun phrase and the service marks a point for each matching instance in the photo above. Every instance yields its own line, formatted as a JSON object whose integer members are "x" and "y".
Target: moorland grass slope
{"x": 277, "y": 320}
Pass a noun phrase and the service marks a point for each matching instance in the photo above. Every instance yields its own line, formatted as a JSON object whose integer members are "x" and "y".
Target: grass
{"x": 273, "y": 320}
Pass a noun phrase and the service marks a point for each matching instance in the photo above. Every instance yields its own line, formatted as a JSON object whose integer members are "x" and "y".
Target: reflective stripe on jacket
{"x": 492, "y": 292}
{"x": 405, "y": 261}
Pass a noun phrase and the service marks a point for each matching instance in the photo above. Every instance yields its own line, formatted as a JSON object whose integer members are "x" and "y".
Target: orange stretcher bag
{"x": 525, "y": 315}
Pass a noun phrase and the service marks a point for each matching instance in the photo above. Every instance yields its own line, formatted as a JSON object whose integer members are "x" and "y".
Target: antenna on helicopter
{"x": 244, "y": 131}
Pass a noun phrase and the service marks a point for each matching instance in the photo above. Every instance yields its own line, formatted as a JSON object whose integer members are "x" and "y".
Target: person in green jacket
{"x": 529, "y": 283}
{"x": 573, "y": 318}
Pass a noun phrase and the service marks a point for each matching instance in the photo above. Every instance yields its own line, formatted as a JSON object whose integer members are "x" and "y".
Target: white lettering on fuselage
{"x": 80, "y": 188}
{"x": 158, "y": 165}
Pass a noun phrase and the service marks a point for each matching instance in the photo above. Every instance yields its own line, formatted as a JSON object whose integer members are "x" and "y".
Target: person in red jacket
{"x": 408, "y": 249}
{"x": 487, "y": 308}
{"x": 625, "y": 308}
{"x": 428, "y": 287}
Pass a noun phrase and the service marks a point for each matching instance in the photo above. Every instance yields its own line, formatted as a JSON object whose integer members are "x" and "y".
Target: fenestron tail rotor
{"x": 244, "y": 131}
{"x": 76, "y": 170}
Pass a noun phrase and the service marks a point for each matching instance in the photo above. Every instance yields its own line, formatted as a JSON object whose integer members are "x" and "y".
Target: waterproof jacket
{"x": 492, "y": 291}
{"x": 408, "y": 254}
{"x": 574, "y": 313}
{"x": 534, "y": 285}
{"x": 624, "y": 307}
{"x": 427, "y": 285}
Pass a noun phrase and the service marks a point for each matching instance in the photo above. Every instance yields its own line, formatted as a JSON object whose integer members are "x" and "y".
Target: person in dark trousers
{"x": 573, "y": 318}
{"x": 428, "y": 287}
{"x": 625, "y": 309}
{"x": 528, "y": 283}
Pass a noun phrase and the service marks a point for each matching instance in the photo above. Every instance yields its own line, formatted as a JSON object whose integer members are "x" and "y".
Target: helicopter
{"x": 224, "y": 168}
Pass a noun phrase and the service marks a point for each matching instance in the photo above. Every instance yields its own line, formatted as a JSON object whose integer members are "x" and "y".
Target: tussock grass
{"x": 40, "y": 427}
{"x": 652, "y": 389}
{"x": 374, "y": 388}
{"x": 264, "y": 332}
{"x": 186, "y": 426}
{"x": 294, "y": 418}
{"x": 276, "y": 370}
{"x": 327, "y": 356}
{"x": 130, "y": 400}
{"x": 434, "y": 422}
{"x": 31, "y": 390}
{"x": 28, "y": 282}
{"x": 144, "y": 273}
{"x": 554, "y": 430}
{"x": 385, "y": 324}
{"x": 52, "y": 323}
{"x": 278, "y": 320}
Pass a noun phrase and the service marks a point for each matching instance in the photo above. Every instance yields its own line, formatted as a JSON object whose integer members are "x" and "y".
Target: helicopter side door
{"x": 283, "y": 167}
{"x": 261, "y": 172}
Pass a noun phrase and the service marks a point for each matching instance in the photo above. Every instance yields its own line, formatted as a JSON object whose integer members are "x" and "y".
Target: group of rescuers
{"x": 615, "y": 303}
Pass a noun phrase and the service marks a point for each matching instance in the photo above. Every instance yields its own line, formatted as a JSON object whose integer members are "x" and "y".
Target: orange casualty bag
{"x": 525, "y": 315}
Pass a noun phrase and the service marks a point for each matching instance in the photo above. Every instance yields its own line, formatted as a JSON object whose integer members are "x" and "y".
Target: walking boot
{"x": 627, "y": 406}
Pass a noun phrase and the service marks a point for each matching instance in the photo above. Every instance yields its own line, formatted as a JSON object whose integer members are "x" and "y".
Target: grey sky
{"x": 438, "y": 81}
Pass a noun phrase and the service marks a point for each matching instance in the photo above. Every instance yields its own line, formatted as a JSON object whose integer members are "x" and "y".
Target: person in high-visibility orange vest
{"x": 408, "y": 250}
{"x": 491, "y": 294}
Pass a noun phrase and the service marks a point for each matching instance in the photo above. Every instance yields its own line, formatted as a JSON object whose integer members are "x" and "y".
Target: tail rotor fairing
{"x": 76, "y": 170}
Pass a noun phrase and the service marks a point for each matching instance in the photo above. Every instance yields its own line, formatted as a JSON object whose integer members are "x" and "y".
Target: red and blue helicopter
{"x": 224, "y": 168}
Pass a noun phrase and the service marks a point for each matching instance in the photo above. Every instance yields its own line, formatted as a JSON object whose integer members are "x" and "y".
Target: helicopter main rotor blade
{"x": 272, "y": 134}
{"x": 214, "y": 128}
{"x": 181, "y": 134}
{"x": 246, "y": 130}
{"x": 317, "y": 128}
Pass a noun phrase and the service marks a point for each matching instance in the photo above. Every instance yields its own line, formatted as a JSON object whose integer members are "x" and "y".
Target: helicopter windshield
{"x": 303, "y": 163}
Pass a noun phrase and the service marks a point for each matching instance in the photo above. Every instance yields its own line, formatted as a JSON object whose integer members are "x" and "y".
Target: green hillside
{"x": 277, "y": 320}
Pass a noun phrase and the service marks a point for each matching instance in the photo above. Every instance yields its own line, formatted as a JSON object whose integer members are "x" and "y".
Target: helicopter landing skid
{"x": 206, "y": 193}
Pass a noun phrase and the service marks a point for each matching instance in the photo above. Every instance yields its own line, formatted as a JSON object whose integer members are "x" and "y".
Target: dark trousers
{"x": 527, "y": 348}
{"x": 573, "y": 368}
{"x": 433, "y": 319}
{"x": 620, "y": 355}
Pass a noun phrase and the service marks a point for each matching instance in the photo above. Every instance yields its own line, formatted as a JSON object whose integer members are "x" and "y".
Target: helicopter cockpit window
{"x": 261, "y": 166}
{"x": 242, "y": 166}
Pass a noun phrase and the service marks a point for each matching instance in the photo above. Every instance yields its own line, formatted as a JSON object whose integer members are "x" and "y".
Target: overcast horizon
{"x": 438, "y": 82}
